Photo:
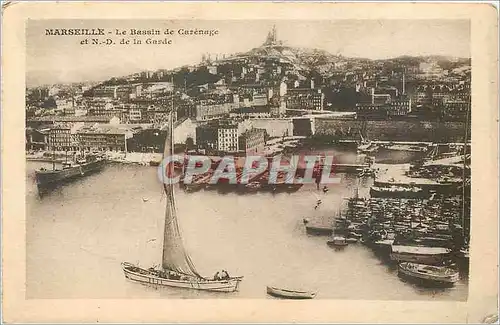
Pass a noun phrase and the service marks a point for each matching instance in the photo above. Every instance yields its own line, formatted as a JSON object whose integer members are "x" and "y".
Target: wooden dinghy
{"x": 290, "y": 294}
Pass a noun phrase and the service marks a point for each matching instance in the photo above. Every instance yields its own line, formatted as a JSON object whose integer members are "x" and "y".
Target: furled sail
{"x": 175, "y": 257}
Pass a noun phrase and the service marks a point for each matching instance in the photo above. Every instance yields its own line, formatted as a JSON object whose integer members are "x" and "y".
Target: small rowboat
{"x": 290, "y": 294}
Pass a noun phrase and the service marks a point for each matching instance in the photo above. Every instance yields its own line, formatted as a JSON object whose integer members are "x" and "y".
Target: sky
{"x": 62, "y": 59}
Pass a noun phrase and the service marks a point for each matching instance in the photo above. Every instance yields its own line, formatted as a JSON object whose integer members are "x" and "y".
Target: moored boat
{"x": 290, "y": 294}
{"x": 397, "y": 192}
{"x": 337, "y": 241}
{"x": 47, "y": 179}
{"x": 317, "y": 230}
{"x": 420, "y": 254}
{"x": 428, "y": 274}
{"x": 352, "y": 240}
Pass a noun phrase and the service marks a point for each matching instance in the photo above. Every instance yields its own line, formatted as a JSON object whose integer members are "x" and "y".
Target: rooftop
{"x": 71, "y": 119}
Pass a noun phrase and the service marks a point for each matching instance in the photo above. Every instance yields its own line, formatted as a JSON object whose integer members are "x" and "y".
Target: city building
{"x": 104, "y": 137}
{"x": 456, "y": 109}
{"x": 380, "y": 98}
{"x": 252, "y": 141}
{"x": 134, "y": 115}
{"x": 61, "y": 138}
{"x": 373, "y": 111}
{"x": 66, "y": 106}
{"x": 214, "y": 111}
{"x": 399, "y": 107}
{"x": 220, "y": 135}
{"x": 305, "y": 99}
{"x": 251, "y": 112}
{"x": 105, "y": 92}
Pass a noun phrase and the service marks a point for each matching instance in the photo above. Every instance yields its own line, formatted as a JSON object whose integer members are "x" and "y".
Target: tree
{"x": 189, "y": 143}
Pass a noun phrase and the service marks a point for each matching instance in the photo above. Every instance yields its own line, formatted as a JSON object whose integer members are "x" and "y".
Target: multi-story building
{"x": 66, "y": 106}
{"x": 305, "y": 98}
{"x": 134, "y": 114}
{"x": 251, "y": 112}
{"x": 220, "y": 135}
{"x": 252, "y": 141}
{"x": 369, "y": 110}
{"x": 103, "y": 138}
{"x": 99, "y": 105}
{"x": 380, "y": 98}
{"x": 399, "y": 107}
{"x": 104, "y": 92}
{"x": 456, "y": 109}
{"x": 227, "y": 138}
{"x": 207, "y": 137}
{"x": 124, "y": 92}
{"x": 60, "y": 138}
{"x": 214, "y": 111}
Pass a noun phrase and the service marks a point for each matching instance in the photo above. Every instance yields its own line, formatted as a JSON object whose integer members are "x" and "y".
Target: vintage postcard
{"x": 249, "y": 162}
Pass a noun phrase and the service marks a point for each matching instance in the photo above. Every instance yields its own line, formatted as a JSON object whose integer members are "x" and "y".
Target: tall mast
{"x": 463, "y": 171}
{"x": 53, "y": 155}
{"x": 125, "y": 142}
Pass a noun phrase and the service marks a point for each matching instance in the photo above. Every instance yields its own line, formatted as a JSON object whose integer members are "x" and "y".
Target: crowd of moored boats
{"x": 422, "y": 237}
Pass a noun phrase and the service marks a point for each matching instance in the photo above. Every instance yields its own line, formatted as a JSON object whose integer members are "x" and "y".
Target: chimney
{"x": 373, "y": 95}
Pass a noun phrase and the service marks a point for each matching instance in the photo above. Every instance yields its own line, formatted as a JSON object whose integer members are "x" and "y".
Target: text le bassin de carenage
{"x": 131, "y": 36}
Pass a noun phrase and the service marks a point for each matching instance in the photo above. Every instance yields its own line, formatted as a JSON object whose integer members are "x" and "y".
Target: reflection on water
{"x": 78, "y": 235}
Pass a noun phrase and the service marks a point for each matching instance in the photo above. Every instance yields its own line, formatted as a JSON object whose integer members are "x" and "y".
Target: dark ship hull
{"x": 50, "y": 179}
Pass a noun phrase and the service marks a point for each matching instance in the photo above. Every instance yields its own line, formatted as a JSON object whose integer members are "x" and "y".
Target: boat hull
{"x": 337, "y": 242}
{"x": 319, "y": 231}
{"x": 336, "y": 245}
{"x": 144, "y": 276}
{"x": 289, "y": 294}
{"x": 50, "y": 179}
{"x": 431, "y": 259}
{"x": 425, "y": 279}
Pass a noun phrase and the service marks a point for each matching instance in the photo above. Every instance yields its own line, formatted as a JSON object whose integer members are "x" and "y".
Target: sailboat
{"x": 177, "y": 268}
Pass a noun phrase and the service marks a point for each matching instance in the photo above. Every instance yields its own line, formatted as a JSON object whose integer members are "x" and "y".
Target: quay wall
{"x": 391, "y": 130}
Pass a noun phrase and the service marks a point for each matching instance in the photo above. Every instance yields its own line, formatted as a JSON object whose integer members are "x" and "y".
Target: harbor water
{"x": 78, "y": 235}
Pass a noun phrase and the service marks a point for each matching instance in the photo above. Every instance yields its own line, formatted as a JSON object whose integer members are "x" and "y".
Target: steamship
{"x": 47, "y": 179}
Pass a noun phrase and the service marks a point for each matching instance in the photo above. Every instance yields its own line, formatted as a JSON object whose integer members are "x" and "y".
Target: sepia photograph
{"x": 387, "y": 126}
{"x": 234, "y": 159}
